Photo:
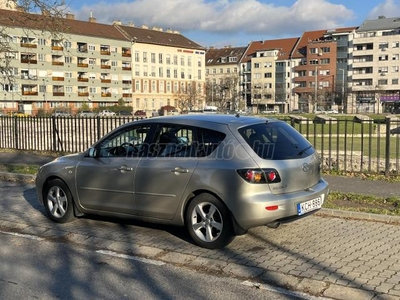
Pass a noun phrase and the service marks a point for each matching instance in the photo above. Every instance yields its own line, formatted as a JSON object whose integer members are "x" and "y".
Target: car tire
{"x": 58, "y": 202}
{"x": 209, "y": 222}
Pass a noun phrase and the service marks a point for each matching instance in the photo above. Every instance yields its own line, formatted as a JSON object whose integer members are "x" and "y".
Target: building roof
{"x": 159, "y": 37}
{"x": 116, "y": 31}
{"x": 306, "y": 38}
{"x": 382, "y": 23}
{"x": 285, "y": 47}
{"x": 214, "y": 56}
{"x": 9, "y": 18}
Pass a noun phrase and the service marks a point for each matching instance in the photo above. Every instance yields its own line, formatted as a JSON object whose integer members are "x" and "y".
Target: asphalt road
{"x": 325, "y": 256}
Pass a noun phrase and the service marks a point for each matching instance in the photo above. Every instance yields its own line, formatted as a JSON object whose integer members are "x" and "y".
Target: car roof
{"x": 204, "y": 119}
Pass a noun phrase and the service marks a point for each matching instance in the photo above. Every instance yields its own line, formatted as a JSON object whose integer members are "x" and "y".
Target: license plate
{"x": 305, "y": 207}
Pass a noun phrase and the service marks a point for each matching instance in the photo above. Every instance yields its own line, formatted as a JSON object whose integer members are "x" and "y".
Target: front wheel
{"x": 58, "y": 202}
{"x": 208, "y": 222}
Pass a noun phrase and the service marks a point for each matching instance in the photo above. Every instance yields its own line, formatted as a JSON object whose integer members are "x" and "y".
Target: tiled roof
{"x": 285, "y": 47}
{"x": 158, "y": 37}
{"x": 213, "y": 56}
{"x": 306, "y": 38}
{"x": 10, "y": 18}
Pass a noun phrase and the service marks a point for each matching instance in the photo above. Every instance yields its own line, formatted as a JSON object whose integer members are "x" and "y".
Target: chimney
{"x": 91, "y": 19}
{"x": 70, "y": 16}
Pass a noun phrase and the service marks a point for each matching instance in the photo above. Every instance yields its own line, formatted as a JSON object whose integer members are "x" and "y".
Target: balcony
{"x": 28, "y": 45}
{"x": 60, "y": 48}
{"x": 58, "y": 94}
{"x": 105, "y": 67}
{"x": 83, "y": 94}
{"x": 28, "y": 61}
{"x": 81, "y": 79}
{"x": 29, "y": 93}
{"x": 126, "y": 68}
{"x": 126, "y": 81}
{"x": 105, "y": 80}
{"x": 57, "y": 78}
{"x": 105, "y": 52}
{"x": 106, "y": 94}
{"x": 57, "y": 63}
{"x": 127, "y": 95}
{"x": 82, "y": 65}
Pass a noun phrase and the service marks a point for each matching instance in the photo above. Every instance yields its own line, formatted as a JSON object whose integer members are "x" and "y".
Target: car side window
{"x": 129, "y": 142}
{"x": 173, "y": 141}
{"x": 207, "y": 141}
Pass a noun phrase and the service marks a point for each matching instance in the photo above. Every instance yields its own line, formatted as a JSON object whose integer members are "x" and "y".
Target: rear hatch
{"x": 276, "y": 146}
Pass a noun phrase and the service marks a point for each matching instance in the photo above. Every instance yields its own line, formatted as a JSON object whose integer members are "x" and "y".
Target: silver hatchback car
{"x": 218, "y": 175}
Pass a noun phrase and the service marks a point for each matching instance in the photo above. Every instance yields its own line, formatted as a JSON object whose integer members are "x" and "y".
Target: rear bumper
{"x": 251, "y": 209}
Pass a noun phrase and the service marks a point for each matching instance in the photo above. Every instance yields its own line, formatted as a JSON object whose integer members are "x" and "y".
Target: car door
{"x": 105, "y": 180}
{"x": 162, "y": 176}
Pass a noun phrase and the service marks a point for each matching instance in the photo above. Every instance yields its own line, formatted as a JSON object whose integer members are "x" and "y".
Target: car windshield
{"x": 276, "y": 140}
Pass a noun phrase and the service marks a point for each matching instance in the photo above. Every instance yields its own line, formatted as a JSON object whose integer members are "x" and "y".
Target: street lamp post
{"x": 316, "y": 89}
{"x": 342, "y": 70}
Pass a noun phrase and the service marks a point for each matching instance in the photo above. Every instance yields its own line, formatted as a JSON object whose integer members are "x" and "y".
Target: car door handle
{"x": 125, "y": 168}
{"x": 180, "y": 170}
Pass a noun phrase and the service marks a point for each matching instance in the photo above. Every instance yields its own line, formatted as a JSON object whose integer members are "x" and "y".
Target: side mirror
{"x": 92, "y": 152}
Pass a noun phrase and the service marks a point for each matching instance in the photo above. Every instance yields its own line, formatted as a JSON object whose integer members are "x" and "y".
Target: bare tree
{"x": 47, "y": 16}
{"x": 189, "y": 96}
{"x": 224, "y": 94}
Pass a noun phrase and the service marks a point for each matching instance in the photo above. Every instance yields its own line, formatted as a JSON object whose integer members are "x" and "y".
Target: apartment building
{"x": 267, "y": 75}
{"x": 223, "y": 81}
{"x": 85, "y": 62}
{"x": 375, "y": 73}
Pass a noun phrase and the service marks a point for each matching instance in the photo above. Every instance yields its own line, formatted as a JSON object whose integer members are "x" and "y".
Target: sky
{"x": 235, "y": 23}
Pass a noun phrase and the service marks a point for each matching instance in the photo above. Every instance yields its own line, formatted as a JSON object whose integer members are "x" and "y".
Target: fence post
{"x": 387, "y": 151}
{"x": 54, "y": 133}
{"x": 16, "y": 133}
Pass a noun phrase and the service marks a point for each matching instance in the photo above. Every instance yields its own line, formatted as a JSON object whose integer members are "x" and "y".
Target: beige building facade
{"x": 87, "y": 63}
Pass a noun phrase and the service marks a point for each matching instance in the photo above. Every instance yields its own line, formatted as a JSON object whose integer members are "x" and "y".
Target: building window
{"x": 395, "y": 81}
{"x": 145, "y": 57}
{"x": 256, "y": 65}
{"x": 268, "y": 75}
{"x": 92, "y": 48}
{"x": 137, "y": 56}
{"x": 153, "y": 58}
{"x": 160, "y": 58}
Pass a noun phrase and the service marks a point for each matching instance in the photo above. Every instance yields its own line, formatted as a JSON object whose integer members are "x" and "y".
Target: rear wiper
{"x": 304, "y": 150}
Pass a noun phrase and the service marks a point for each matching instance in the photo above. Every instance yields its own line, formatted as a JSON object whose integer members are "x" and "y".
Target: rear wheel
{"x": 208, "y": 222}
{"x": 58, "y": 202}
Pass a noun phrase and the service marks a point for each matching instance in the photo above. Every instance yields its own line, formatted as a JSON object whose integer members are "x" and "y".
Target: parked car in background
{"x": 270, "y": 111}
{"x": 296, "y": 111}
{"x": 18, "y": 114}
{"x": 332, "y": 111}
{"x": 61, "y": 113}
{"x": 107, "y": 113}
{"x": 229, "y": 174}
{"x": 124, "y": 113}
{"x": 140, "y": 113}
{"x": 86, "y": 113}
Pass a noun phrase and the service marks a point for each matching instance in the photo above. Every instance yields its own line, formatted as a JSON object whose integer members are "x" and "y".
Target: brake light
{"x": 260, "y": 175}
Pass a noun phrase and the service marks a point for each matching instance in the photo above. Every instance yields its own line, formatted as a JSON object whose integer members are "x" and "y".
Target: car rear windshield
{"x": 276, "y": 140}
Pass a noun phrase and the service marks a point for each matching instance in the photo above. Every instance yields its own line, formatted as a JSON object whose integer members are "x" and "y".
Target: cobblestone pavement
{"x": 323, "y": 256}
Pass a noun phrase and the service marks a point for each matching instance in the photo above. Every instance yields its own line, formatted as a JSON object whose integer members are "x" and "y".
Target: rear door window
{"x": 276, "y": 140}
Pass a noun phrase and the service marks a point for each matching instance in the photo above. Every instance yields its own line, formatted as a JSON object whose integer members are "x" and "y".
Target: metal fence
{"x": 345, "y": 145}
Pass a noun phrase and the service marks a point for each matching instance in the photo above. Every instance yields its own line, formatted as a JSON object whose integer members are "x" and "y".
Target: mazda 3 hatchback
{"x": 218, "y": 175}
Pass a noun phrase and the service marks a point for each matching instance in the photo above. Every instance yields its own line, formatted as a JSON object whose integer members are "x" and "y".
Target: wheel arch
{"x": 77, "y": 211}
{"x": 238, "y": 230}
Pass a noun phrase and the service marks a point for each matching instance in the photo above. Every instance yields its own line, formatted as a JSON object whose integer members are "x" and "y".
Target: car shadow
{"x": 178, "y": 231}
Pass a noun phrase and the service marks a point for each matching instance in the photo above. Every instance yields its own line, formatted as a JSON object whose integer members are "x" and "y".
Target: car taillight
{"x": 260, "y": 175}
